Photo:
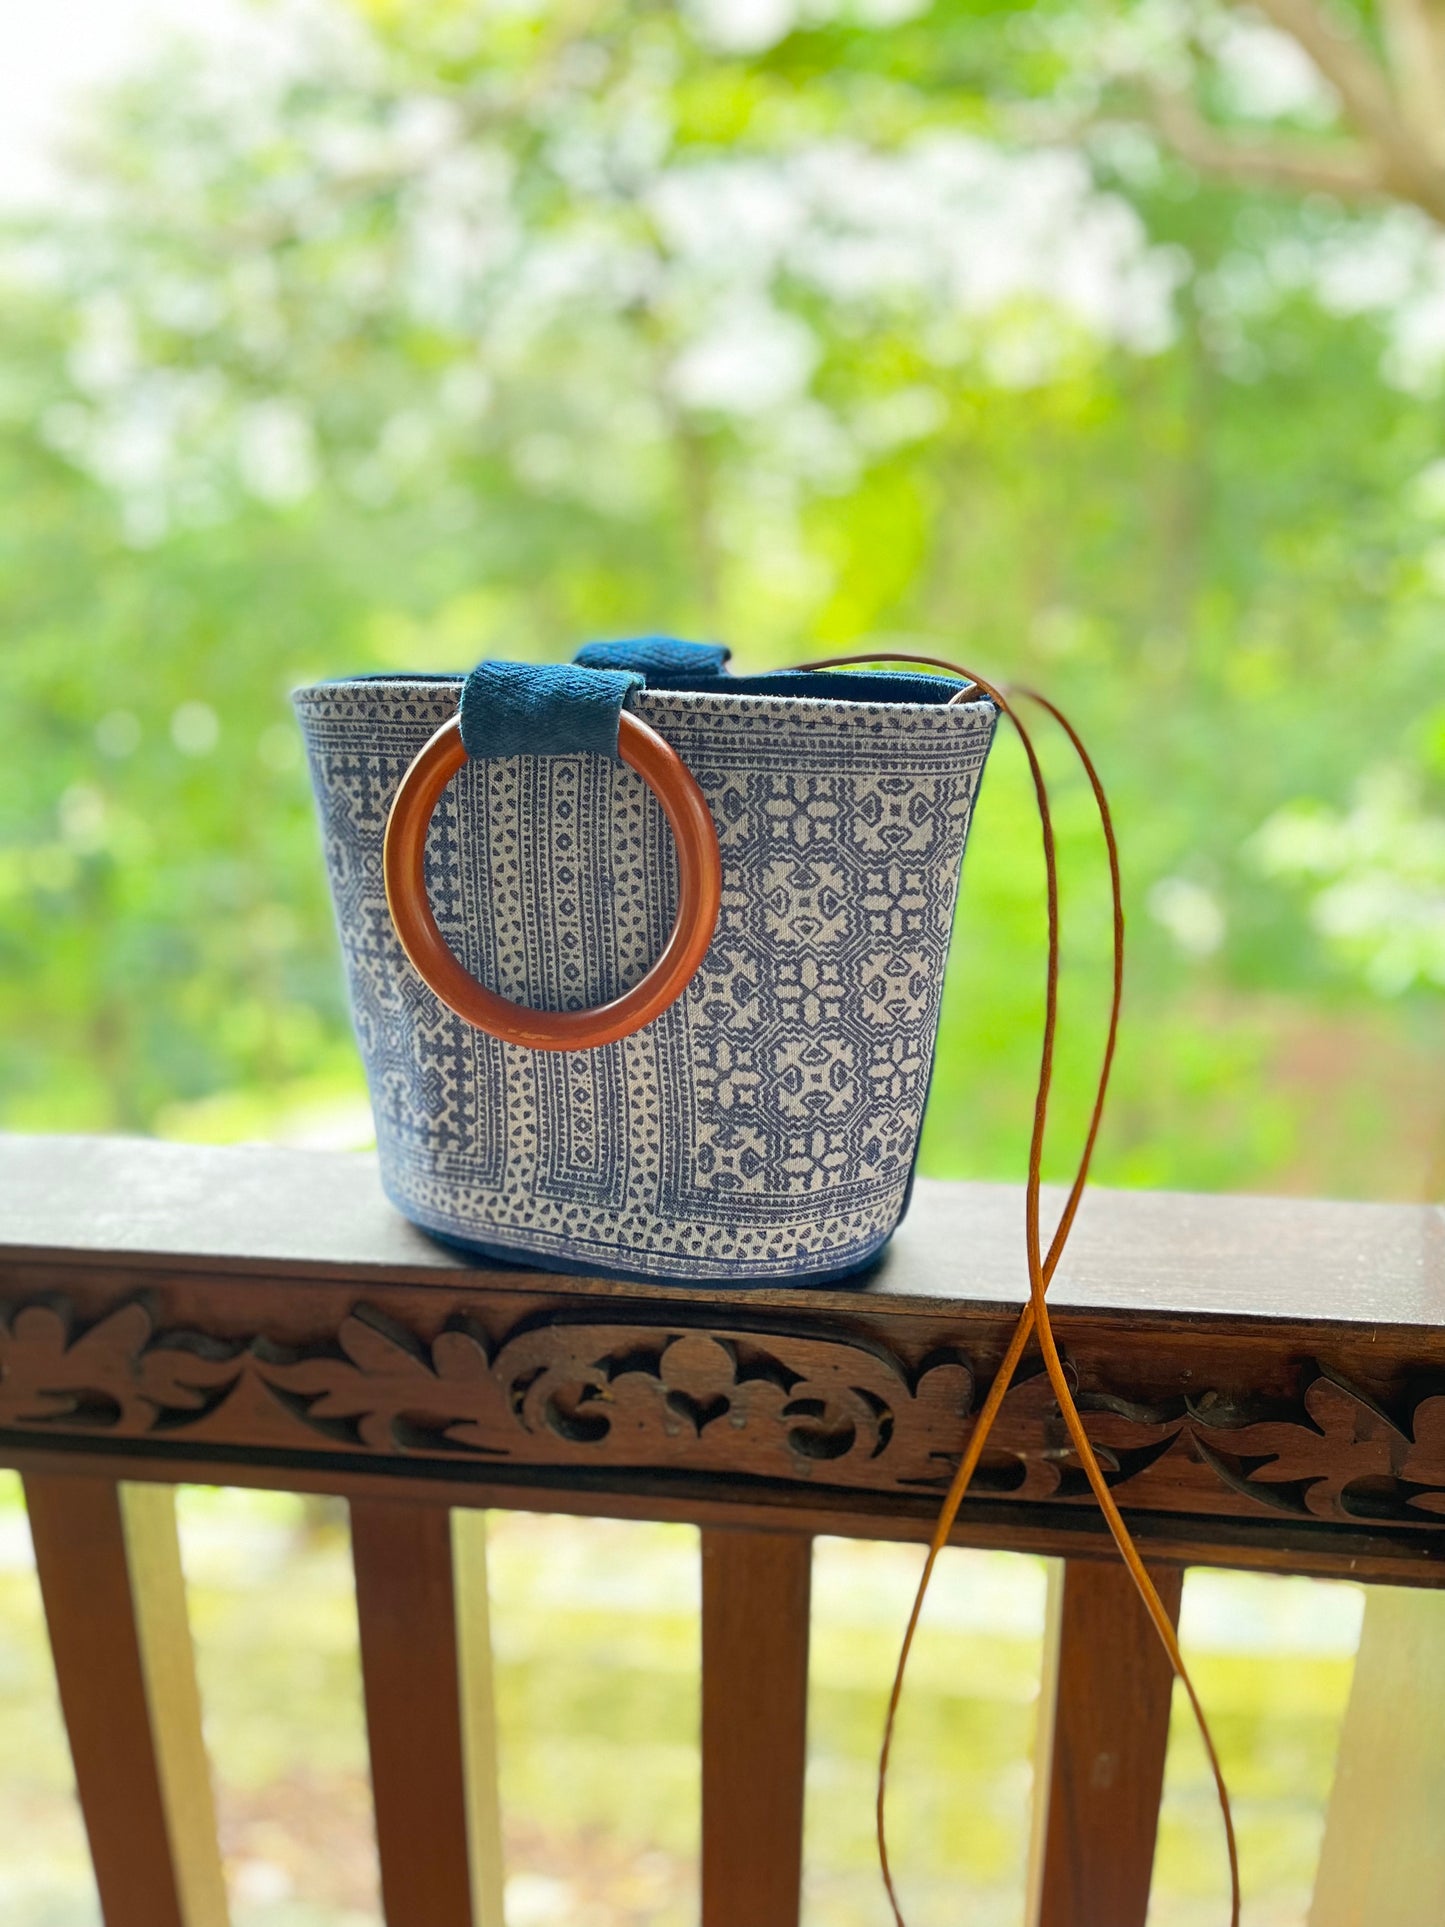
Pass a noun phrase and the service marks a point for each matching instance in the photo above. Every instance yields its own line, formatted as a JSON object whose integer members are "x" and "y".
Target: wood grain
{"x": 1111, "y": 1688}
{"x": 479, "y": 1716}
{"x": 1189, "y": 1421}
{"x": 755, "y": 1615}
{"x": 323, "y": 1345}
{"x": 402, "y": 1556}
{"x": 110, "y": 1578}
{"x": 1264, "y": 1382}
{"x": 252, "y": 1209}
{"x": 1275, "y": 1545}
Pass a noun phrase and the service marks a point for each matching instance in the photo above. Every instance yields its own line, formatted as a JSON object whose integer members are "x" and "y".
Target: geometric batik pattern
{"x": 766, "y": 1125}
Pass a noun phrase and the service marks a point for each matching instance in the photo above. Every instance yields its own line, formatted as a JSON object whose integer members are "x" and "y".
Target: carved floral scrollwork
{"x": 840, "y": 1410}
{"x": 1338, "y": 1452}
{"x": 117, "y": 1376}
{"x": 632, "y": 1395}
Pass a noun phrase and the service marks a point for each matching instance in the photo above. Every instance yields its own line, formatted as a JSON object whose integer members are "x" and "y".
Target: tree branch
{"x": 1346, "y": 64}
{"x": 1415, "y": 42}
{"x": 1367, "y": 98}
{"x": 1351, "y": 173}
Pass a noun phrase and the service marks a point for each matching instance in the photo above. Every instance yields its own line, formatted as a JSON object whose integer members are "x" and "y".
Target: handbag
{"x": 645, "y": 963}
{"x": 646, "y": 976}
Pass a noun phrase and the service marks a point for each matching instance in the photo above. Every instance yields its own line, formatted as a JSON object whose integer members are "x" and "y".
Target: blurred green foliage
{"x": 399, "y": 334}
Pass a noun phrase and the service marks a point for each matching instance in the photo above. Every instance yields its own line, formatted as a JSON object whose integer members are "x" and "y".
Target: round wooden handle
{"x": 699, "y": 878}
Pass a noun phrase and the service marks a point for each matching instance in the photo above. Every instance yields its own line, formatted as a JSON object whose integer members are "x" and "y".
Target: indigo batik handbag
{"x": 646, "y": 963}
{"x": 646, "y": 973}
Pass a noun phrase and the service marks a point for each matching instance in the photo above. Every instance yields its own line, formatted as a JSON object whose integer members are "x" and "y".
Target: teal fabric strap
{"x": 658, "y": 657}
{"x": 543, "y": 709}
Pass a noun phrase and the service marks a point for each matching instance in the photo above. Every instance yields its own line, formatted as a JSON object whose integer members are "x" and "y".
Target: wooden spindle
{"x": 1382, "y": 1863}
{"x": 108, "y": 1557}
{"x": 479, "y": 1716}
{"x": 1103, "y": 1732}
{"x": 402, "y": 1556}
{"x": 755, "y": 1603}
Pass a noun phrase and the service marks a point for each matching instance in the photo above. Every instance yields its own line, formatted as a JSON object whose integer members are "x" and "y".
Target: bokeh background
{"x": 1076, "y": 342}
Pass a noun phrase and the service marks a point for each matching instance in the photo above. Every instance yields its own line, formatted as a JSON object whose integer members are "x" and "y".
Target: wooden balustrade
{"x": 1264, "y": 1380}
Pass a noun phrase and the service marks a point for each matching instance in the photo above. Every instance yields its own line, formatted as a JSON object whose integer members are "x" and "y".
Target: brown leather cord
{"x": 1034, "y": 1317}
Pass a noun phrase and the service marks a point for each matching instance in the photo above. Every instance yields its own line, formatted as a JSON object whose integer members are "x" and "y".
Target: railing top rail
{"x": 148, "y": 1205}
{"x": 1265, "y": 1379}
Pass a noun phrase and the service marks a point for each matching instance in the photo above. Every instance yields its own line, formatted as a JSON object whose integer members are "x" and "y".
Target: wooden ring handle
{"x": 699, "y": 879}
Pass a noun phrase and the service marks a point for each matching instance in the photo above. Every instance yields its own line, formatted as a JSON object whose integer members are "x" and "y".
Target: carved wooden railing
{"x": 1265, "y": 1382}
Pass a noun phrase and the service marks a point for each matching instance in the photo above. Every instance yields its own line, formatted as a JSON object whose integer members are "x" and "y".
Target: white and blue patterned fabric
{"x": 765, "y": 1126}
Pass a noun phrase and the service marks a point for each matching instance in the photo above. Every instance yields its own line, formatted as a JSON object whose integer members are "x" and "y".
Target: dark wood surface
{"x": 406, "y": 1615}
{"x": 257, "y": 1210}
{"x": 1111, "y": 1729}
{"x": 248, "y": 1314}
{"x": 1278, "y": 1546}
{"x": 755, "y": 1615}
{"x": 85, "y": 1583}
{"x": 1264, "y": 1382}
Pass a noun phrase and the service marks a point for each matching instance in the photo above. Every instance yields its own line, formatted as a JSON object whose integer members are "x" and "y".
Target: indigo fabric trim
{"x": 658, "y": 657}
{"x": 543, "y": 709}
